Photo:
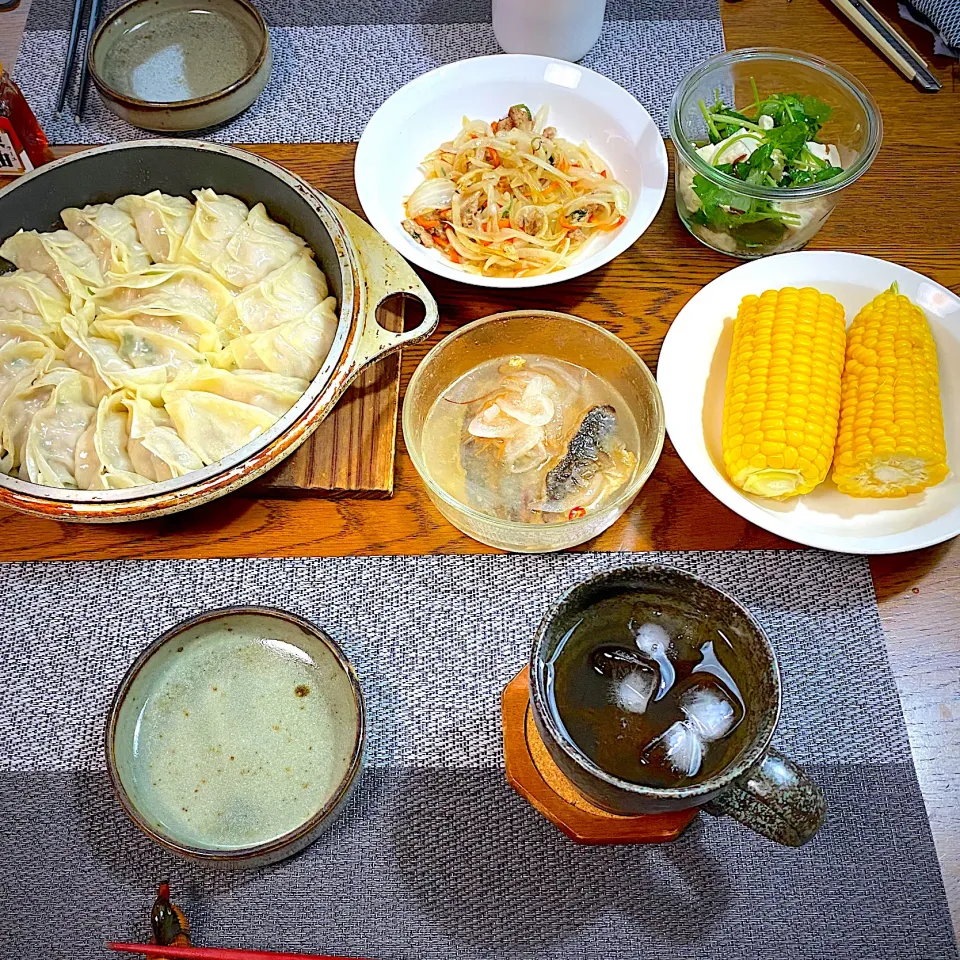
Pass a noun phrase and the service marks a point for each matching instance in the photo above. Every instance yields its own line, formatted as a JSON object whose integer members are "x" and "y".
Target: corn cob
{"x": 782, "y": 401}
{"x": 891, "y": 441}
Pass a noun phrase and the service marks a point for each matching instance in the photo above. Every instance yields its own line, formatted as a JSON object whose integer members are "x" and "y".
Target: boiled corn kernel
{"x": 782, "y": 400}
{"x": 890, "y": 442}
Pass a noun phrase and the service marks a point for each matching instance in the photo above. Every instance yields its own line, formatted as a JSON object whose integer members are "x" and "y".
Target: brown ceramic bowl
{"x": 236, "y": 737}
{"x": 175, "y": 65}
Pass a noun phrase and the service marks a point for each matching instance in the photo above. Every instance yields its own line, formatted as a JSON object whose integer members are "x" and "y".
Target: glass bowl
{"x": 854, "y": 126}
{"x": 556, "y": 335}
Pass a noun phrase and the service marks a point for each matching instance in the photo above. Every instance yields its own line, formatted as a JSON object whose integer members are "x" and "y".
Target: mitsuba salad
{"x": 773, "y": 145}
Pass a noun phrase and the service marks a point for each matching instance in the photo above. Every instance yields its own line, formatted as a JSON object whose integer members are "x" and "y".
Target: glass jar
{"x": 775, "y": 219}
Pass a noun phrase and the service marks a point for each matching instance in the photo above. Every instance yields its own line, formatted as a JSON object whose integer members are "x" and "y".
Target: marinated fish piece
{"x": 580, "y": 462}
{"x": 531, "y": 439}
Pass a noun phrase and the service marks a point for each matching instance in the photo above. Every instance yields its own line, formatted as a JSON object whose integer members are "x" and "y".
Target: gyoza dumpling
{"x": 216, "y": 218}
{"x": 258, "y": 247}
{"x": 161, "y": 222}
{"x": 42, "y": 424}
{"x": 61, "y": 256}
{"x": 101, "y": 458}
{"x": 296, "y": 348}
{"x": 166, "y": 290}
{"x": 110, "y": 233}
{"x": 155, "y": 448}
{"x": 20, "y": 327}
{"x": 269, "y": 391}
{"x": 21, "y": 363}
{"x": 99, "y": 358}
{"x": 146, "y": 347}
{"x": 288, "y": 293}
{"x": 214, "y": 427}
{"x": 30, "y": 292}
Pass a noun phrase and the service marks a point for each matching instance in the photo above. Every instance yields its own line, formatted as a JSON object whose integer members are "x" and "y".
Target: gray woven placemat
{"x": 436, "y": 857}
{"x": 336, "y": 62}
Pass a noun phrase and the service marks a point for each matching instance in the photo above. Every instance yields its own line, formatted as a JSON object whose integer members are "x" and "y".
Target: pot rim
{"x": 287, "y": 840}
{"x": 694, "y": 792}
{"x": 359, "y": 340}
{"x": 154, "y": 105}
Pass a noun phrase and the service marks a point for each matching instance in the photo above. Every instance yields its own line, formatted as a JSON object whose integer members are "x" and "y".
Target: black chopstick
{"x": 71, "y": 53}
{"x": 84, "y": 73}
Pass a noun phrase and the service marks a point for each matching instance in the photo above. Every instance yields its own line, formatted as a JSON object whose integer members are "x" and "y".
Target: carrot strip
{"x": 608, "y": 226}
{"x": 427, "y": 224}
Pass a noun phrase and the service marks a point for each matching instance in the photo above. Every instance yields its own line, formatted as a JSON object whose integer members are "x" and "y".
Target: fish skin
{"x": 583, "y": 452}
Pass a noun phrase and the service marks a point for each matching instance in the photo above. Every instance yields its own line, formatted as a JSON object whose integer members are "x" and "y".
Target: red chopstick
{"x": 213, "y": 953}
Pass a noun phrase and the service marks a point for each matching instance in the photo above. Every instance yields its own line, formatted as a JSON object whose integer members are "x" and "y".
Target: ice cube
{"x": 633, "y": 692}
{"x": 650, "y": 637}
{"x": 654, "y": 642}
{"x": 615, "y": 662}
{"x": 679, "y": 747}
{"x": 708, "y": 709}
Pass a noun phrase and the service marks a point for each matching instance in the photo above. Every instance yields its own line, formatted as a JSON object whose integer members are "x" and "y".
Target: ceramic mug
{"x": 565, "y": 29}
{"x": 760, "y": 787}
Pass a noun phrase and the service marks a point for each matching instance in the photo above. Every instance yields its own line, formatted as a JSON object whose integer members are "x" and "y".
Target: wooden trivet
{"x": 532, "y": 772}
{"x": 352, "y": 452}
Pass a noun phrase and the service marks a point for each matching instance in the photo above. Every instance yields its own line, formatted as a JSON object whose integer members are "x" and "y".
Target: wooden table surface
{"x": 905, "y": 209}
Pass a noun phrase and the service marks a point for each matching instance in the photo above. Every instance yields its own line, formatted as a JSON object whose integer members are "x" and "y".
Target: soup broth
{"x": 648, "y": 690}
{"x": 531, "y": 438}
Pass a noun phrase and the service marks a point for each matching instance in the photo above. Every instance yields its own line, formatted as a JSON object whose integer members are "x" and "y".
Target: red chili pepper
{"x": 576, "y": 513}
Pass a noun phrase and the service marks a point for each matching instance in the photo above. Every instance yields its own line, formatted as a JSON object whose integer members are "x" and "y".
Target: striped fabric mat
{"x": 336, "y": 62}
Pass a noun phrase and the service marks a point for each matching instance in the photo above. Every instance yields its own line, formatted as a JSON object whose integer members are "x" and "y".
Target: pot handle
{"x": 385, "y": 273}
{"x": 776, "y": 799}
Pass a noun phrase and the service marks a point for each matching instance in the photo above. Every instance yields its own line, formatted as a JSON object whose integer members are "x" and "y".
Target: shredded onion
{"x": 513, "y": 203}
{"x": 435, "y": 194}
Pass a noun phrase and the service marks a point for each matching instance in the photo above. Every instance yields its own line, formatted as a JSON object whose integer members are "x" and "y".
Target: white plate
{"x": 692, "y": 372}
{"x": 583, "y": 106}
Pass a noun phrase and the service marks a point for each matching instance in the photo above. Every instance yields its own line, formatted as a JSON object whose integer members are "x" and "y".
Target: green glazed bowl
{"x": 235, "y": 738}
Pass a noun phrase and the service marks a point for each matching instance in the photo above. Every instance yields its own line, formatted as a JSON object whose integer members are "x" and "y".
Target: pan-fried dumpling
{"x": 194, "y": 331}
{"x": 269, "y": 391}
{"x": 146, "y": 347}
{"x": 110, "y": 233}
{"x": 42, "y": 423}
{"x": 155, "y": 448}
{"x": 288, "y": 293}
{"x": 101, "y": 458}
{"x": 99, "y": 358}
{"x": 165, "y": 290}
{"x": 21, "y": 363}
{"x": 34, "y": 293}
{"x": 213, "y": 427}
{"x": 19, "y": 327}
{"x": 258, "y": 247}
{"x": 161, "y": 222}
{"x": 216, "y": 218}
{"x": 60, "y": 255}
{"x": 296, "y": 348}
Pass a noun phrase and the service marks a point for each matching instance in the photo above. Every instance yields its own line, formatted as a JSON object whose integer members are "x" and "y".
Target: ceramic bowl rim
{"x": 719, "y": 781}
{"x": 289, "y": 839}
{"x": 629, "y": 492}
{"x": 156, "y": 105}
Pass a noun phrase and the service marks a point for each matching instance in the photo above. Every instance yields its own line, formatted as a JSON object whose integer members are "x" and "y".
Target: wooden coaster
{"x": 532, "y": 772}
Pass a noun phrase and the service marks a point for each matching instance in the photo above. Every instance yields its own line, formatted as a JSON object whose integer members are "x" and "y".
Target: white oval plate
{"x": 692, "y": 373}
{"x": 583, "y": 106}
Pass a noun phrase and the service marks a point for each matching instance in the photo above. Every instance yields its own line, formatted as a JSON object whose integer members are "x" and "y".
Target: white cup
{"x": 565, "y": 29}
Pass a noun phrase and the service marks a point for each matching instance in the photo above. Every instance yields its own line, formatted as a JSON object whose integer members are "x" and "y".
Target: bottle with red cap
{"x": 23, "y": 145}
